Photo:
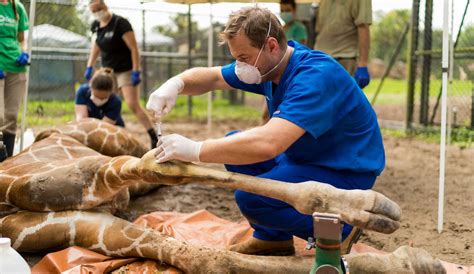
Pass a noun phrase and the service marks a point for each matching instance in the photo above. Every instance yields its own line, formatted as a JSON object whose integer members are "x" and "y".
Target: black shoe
{"x": 3, "y": 149}
{"x": 153, "y": 137}
{"x": 9, "y": 142}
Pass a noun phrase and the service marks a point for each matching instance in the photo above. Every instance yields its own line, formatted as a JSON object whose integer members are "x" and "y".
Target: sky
{"x": 160, "y": 11}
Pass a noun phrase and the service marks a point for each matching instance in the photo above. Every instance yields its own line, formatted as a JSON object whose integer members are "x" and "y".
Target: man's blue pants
{"x": 278, "y": 221}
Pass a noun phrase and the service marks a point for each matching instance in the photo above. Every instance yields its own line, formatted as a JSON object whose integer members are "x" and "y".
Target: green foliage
{"x": 66, "y": 16}
{"x": 467, "y": 37}
{"x": 178, "y": 30}
{"x": 386, "y": 31}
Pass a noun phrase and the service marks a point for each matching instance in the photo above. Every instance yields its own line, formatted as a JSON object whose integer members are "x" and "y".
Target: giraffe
{"x": 64, "y": 189}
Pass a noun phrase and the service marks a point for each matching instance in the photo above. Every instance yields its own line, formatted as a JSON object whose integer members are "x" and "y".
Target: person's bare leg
{"x": 132, "y": 98}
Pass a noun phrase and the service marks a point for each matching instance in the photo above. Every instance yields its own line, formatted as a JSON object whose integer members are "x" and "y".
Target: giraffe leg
{"x": 404, "y": 260}
{"x": 108, "y": 235}
{"x": 363, "y": 208}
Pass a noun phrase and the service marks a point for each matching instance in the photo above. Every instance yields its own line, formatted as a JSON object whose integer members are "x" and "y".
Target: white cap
{"x": 5, "y": 242}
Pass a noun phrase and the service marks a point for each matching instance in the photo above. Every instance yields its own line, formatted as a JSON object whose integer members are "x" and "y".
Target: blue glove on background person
{"x": 136, "y": 77}
{"x": 2, "y": 74}
{"x": 23, "y": 59}
{"x": 88, "y": 73}
{"x": 362, "y": 77}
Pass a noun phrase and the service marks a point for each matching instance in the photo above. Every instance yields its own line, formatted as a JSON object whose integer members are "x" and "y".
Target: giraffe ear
{"x": 45, "y": 134}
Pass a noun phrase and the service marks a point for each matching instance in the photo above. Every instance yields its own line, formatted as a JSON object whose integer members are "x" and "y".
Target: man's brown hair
{"x": 253, "y": 22}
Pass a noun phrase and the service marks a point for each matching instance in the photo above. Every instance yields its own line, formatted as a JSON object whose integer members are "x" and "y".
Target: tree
{"x": 66, "y": 14}
{"x": 467, "y": 36}
{"x": 178, "y": 30}
{"x": 386, "y": 31}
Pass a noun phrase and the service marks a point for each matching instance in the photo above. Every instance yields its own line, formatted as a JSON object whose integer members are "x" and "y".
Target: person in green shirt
{"x": 294, "y": 29}
{"x": 343, "y": 31}
{"x": 13, "y": 61}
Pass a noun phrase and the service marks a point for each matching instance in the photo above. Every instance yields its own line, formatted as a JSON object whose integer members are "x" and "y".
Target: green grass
{"x": 50, "y": 113}
{"x": 461, "y": 137}
{"x": 395, "y": 91}
{"x": 222, "y": 110}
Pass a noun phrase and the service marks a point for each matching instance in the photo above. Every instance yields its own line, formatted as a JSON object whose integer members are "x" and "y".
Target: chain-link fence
{"x": 169, "y": 44}
{"x": 424, "y": 79}
{"x": 62, "y": 36}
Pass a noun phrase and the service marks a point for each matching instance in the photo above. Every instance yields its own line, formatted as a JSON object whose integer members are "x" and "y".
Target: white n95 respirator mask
{"x": 97, "y": 101}
{"x": 250, "y": 74}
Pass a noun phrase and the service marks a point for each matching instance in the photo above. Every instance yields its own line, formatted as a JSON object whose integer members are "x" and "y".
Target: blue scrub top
{"x": 111, "y": 109}
{"x": 317, "y": 94}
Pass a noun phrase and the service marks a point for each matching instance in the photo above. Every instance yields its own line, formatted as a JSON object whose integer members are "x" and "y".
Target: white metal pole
{"x": 210, "y": 57}
{"x": 442, "y": 150}
{"x": 29, "y": 49}
{"x": 450, "y": 114}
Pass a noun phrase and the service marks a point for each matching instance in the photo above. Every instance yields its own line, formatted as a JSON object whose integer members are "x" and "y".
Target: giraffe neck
{"x": 115, "y": 237}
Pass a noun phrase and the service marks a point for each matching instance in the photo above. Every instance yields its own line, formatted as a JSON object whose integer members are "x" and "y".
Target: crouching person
{"x": 97, "y": 100}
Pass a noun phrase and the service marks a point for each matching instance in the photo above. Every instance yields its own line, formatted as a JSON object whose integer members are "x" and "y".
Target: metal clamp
{"x": 310, "y": 244}
{"x": 345, "y": 265}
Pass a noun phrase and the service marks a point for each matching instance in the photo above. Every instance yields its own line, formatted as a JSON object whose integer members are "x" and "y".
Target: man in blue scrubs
{"x": 322, "y": 127}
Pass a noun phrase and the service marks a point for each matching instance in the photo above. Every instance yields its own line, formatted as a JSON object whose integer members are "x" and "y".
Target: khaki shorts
{"x": 350, "y": 64}
{"x": 12, "y": 89}
{"x": 123, "y": 78}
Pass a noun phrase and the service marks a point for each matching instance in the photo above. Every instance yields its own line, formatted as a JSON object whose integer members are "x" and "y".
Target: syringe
{"x": 158, "y": 128}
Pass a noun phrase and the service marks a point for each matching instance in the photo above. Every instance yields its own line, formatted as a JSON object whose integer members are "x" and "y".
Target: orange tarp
{"x": 200, "y": 228}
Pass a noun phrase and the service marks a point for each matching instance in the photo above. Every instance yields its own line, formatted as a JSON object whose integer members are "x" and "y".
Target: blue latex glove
{"x": 362, "y": 77}
{"x": 88, "y": 73}
{"x": 23, "y": 59}
{"x": 2, "y": 74}
{"x": 136, "y": 77}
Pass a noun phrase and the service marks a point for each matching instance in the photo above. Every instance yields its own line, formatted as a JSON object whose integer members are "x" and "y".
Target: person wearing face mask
{"x": 97, "y": 100}
{"x": 343, "y": 31}
{"x": 114, "y": 40}
{"x": 294, "y": 29}
{"x": 13, "y": 61}
{"x": 322, "y": 127}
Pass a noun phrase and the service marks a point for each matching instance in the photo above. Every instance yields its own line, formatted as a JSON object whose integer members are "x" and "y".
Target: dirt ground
{"x": 410, "y": 179}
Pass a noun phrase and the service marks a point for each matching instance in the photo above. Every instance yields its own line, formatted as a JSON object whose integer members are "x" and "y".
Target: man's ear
{"x": 273, "y": 44}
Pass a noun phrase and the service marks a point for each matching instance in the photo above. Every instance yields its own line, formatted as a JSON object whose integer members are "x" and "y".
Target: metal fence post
{"x": 412, "y": 61}
{"x": 426, "y": 69}
{"x": 190, "y": 63}
{"x": 472, "y": 105}
{"x": 144, "y": 59}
